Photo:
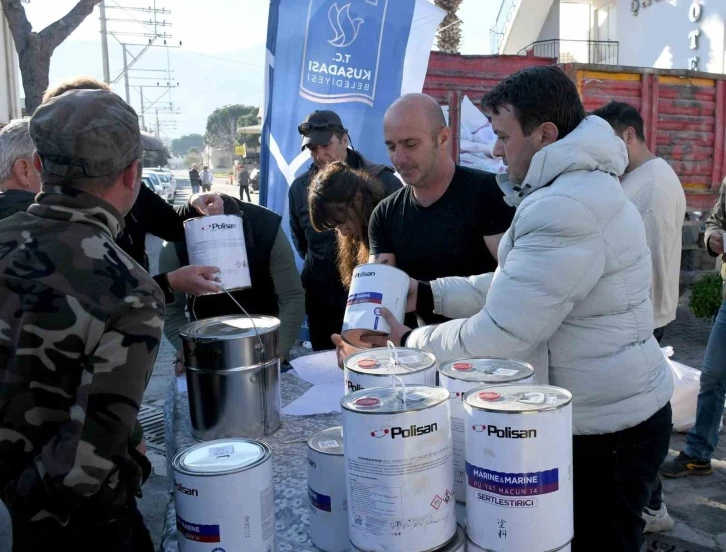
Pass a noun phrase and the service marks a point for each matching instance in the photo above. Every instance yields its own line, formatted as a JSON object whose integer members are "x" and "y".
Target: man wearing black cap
{"x": 325, "y": 296}
{"x": 81, "y": 324}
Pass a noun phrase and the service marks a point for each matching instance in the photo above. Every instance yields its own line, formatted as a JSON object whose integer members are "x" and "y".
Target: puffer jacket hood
{"x": 572, "y": 291}
{"x": 592, "y": 146}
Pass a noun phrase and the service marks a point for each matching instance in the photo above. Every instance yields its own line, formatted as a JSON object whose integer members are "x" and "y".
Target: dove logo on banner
{"x": 355, "y": 57}
{"x": 342, "y": 64}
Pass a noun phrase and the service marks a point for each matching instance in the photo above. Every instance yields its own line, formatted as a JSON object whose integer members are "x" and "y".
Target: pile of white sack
{"x": 477, "y": 140}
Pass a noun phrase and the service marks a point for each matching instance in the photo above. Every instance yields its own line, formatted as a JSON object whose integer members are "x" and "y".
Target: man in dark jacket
{"x": 325, "y": 296}
{"x": 244, "y": 183}
{"x": 194, "y": 178}
{"x": 19, "y": 181}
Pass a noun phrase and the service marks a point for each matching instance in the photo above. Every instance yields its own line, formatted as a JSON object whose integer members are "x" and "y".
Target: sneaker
{"x": 657, "y": 520}
{"x": 684, "y": 465}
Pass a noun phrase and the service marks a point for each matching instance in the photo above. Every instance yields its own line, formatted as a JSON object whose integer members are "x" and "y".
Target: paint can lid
{"x": 389, "y": 400}
{"x": 487, "y": 370}
{"x": 379, "y": 361}
{"x": 489, "y": 396}
{"x": 328, "y": 441}
{"x": 517, "y": 398}
{"x": 221, "y": 456}
{"x": 223, "y": 328}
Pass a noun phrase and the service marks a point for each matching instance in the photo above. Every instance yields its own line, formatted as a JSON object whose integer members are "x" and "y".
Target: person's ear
{"x": 444, "y": 137}
{"x": 549, "y": 133}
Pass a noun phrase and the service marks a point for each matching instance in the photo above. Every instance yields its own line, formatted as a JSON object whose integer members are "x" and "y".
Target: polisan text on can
{"x": 326, "y": 491}
{"x": 373, "y": 287}
{"x": 398, "y": 460}
{"x": 460, "y": 376}
{"x": 374, "y": 368}
{"x": 219, "y": 240}
{"x": 224, "y": 496}
{"x": 519, "y": 467}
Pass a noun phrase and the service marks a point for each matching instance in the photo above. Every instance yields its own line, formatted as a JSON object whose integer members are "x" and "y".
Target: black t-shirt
{"x": 447, "y": 237}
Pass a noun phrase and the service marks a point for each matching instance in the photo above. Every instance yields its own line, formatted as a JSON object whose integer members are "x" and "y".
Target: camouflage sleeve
{"x": 716, "y": 222}
{"x": 87, "y": 462}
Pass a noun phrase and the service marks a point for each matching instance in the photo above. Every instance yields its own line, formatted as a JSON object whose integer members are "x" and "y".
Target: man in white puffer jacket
{"x": 571, "y": 296}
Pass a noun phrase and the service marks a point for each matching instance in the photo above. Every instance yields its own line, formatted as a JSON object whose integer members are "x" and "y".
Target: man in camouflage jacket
{"x": 80, "y": 324}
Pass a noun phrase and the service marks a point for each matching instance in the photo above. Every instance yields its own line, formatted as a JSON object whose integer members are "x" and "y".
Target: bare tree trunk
{"x": 35, "y": 49}
{"x": 449, "y": 37}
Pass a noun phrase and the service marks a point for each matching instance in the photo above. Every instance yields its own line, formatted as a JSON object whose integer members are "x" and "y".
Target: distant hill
{"x": 205, "y": 82}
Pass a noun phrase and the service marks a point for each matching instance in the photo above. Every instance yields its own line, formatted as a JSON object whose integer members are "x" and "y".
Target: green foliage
{"x": 222, "y": 125}
{"x": 193, "y": 157}
{"x": 156, "y": 158}
{"x": 181, "y": 146}
{"x": 706, "y": 296}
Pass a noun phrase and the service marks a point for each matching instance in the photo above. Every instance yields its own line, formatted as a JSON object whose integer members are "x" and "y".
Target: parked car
{"x": 162, "y": 183}
{"x": 255, "y": 180}
{"x": 146, "y": 181}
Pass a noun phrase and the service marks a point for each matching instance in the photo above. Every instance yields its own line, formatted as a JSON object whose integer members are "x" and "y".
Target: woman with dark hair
{"x": 343, "y": 199}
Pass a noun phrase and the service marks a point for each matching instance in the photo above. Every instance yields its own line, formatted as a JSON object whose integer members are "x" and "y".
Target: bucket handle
{"x": 393, "y": 353}
{"x": 402, "y": 396}
{"x": 260, "y": 347}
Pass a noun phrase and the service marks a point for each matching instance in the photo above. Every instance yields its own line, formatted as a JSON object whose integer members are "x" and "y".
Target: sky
{"x": 215, "y": 30}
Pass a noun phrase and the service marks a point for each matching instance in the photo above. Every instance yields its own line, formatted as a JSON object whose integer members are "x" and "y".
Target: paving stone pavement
{"x": 697, "y": 504}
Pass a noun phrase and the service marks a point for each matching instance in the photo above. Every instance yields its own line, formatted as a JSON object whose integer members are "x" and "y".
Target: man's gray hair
{"x": 15, "y": 143}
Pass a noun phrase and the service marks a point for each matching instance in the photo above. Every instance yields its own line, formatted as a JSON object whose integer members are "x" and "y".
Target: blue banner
{"x": 355, "y": 57}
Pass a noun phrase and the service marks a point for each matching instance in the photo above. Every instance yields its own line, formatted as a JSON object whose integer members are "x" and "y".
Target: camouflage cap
{"x": 86, "y": 134}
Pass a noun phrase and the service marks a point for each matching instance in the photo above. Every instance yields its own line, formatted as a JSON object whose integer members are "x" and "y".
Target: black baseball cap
{"x": 318, "y": 128}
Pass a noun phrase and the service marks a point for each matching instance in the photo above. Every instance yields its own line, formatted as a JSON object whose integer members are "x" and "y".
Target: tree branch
{"x": 57, "y": 32}
{"x": 18, "y": 22}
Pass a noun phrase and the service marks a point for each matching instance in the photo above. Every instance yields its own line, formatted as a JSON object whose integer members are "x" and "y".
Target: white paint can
{"x": 457, "y": 544}
{"x": 519, "y": 467}
{"x": 373, "y": 287}
{"x": 398, "y": 462}
{"x": 472, "y": 547}
{"x": 461, "y": 376}
{"x": 219, "y": 240}
{"x": 374, "y": 368}
{"x": 224, "y": 496}
{"x": 326, "y": 491}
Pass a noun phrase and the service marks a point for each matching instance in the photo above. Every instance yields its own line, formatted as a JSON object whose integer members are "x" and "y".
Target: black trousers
{"x": 124, "y": 532}
{"x": 324, "y": 319}
{"x": 613, "y": 476}
{"x": 247, "y": 190}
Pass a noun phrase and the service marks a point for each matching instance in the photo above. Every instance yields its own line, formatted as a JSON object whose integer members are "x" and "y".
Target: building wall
{"x": 9, "y": 75}
{"x": 551, "y": 28}
{"x": 658, "y": 34}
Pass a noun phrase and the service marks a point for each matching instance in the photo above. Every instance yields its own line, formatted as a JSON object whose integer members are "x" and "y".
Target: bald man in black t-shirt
{"x": 449, "y": 220}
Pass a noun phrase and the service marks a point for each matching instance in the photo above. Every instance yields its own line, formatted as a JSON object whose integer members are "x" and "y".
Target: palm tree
{"x": 449, "y": 37}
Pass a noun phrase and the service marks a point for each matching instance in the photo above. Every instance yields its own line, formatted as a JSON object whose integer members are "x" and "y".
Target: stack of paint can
{"x": 399, "y": 472}
{"x": 224, "y": 496}
{"x": 326, "y": 491}
{"x": 459, "y": 377}
{"x": 518, "y": 468}
{"x": 374, "y": 368}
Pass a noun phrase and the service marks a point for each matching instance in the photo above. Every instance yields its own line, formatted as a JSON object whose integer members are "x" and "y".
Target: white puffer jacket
{"x": 571, "y": 294}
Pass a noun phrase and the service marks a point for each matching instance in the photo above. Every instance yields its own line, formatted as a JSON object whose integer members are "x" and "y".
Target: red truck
{"x": 684, "y": 114}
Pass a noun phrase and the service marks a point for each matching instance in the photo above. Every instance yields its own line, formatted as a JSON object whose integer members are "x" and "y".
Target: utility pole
{"x": 104, "y": 45}
{"x": 158, "y": 132}
{"x": 126, "y": 76}
{"x": 143, "y": 120}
